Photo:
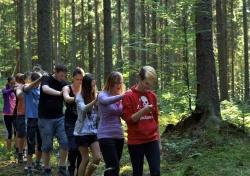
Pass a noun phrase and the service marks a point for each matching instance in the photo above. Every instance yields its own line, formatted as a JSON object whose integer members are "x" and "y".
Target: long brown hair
{"x": 113, "y": 78}
{"x": 87, "y": 93}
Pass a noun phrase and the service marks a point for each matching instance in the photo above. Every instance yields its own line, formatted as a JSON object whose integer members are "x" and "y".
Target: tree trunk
{"x": 119, "y": 34}
{"x": 185, "y": 54}
{"x": 207, "y": 89}
{"x": 82, "y": 36}
{"x": 232, "y": 38}
{"x": 143, "y": 34}
{"x": 57, "y": 31}
{"x": 29, "y": 39}
{"x": 132, "y": 53}
{"x": 97, "y": 46}
{"x": 222, "y": 49}
{"x": 107, "y": 38}
{"x": 73, "y": 41}
{"x": 22, "y": 60}
{"x": 90, "y": 38}
{"x": 44, "y": 33}
{"x": 246, "y": 65}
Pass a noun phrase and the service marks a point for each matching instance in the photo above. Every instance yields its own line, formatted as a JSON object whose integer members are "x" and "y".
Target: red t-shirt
{"x": 146, "y": 129}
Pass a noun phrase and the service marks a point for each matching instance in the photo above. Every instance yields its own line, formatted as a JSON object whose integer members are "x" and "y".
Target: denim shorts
{"x": 20, "y": 124}
{"x": 50, "y": 128}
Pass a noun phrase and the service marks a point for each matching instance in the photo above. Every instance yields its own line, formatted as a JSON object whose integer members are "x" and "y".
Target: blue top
{"x": 31, "y": 99}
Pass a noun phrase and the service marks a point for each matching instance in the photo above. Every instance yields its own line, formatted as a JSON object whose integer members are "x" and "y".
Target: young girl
{"x": 110, "y": 132}
{"x": 141, "y": 115}
{"x": 69, "y": 93}
{"x": 86, "y": 126}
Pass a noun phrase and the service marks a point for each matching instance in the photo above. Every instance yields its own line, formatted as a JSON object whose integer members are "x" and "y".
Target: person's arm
{"x": 7, "y": 91}
{"x": 136, "y": 116}
{"x": 47, "y": 90}
{"x": 28, "y": 87}
{"x": 106, "y": 100}
{"x": 82, "y": 106}
{"x": 67, "y": 98}
{"x": 19, "y": 91}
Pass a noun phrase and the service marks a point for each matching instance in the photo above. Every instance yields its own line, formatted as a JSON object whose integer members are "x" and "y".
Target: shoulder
{"x": 66, "y": 88}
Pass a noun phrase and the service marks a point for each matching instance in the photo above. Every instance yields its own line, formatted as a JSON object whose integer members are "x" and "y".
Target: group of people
{"x": 91, "y": 123}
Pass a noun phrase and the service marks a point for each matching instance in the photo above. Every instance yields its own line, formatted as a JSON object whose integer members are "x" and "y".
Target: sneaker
{"x": 38, "y": 166}
{"x": 30, "y": 173}
{"x": 25, "y": 168}
{"x": 47, "y": 172}
{"x": 20, "y": 158}
{"x": 62, "y": 171}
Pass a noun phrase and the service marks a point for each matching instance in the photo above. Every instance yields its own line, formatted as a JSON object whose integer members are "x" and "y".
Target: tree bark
{"x": 97, "y": 46}
{"x": 73, "y": 40}
{"x": 132, "y": 52}
{"x": 44, "y": 34}
{"x": 246, "y": 62}
{"x": 143, "y": 35}
{"x": 119, "y": 34}
{"x": 90, "y": 39}
{"x": 107, "y": 38}
{"x": 222, "y": 49}
{"x": 207, "y": 89}
{"x": 22, "y": 60}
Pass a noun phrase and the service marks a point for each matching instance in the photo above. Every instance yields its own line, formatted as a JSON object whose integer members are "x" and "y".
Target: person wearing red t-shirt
{"x": 140, "y": 112}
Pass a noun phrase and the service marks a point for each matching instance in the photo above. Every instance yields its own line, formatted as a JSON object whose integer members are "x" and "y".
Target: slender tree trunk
{"x": 232, "y": 46}
{"x": 154, "y": 60}
{"x": 245, "y": 30}
{"x": 90, "y": 39}
{"x": 132, "y": 53}
{"x": 143, "y": 34}
{"x": 222, "y": 49}
{"x": 29, "y": 39}
{"x": 119, "y": 34}
{"x": 82, "y": 35}
{"x": 97, "y": 46}
{"x": 65, "y": 31}
{"x": 73, "y": 41}
{"x": 22, "y": 60}
{"x": 185, "y": 55}
{"x": 107, "y": 38}
{"x": 57, "y": 27}
{"x": 44, "y": 33}
{"x": 207, "y": 89}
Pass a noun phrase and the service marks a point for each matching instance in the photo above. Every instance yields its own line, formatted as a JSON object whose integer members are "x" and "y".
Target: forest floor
{"x": 213, "y": 154}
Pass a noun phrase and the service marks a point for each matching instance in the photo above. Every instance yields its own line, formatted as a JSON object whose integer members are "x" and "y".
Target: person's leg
{"x": 96, "y": 158}
{"x": 119, "y": 147}
{"x": 63, "y": 143}
{"x": 21, "y": 136}
{"x": 136, "y": 153}
{"x": 62, "y": 140}
{"x": 8, "y": 125}
{"x": 108, "y": 149}
{"x": 152, "y": 153}
{"x": 46, "y": 128}
{"x": 38, "y": 146}
{"x": 85, "y": 159}
{"x": 72, "y": 146}
{"x": 31, "y": 141}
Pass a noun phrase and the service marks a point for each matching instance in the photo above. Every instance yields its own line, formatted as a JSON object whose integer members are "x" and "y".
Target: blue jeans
{"x": 152, "y": 152}
{"x": 50, "y": 128}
